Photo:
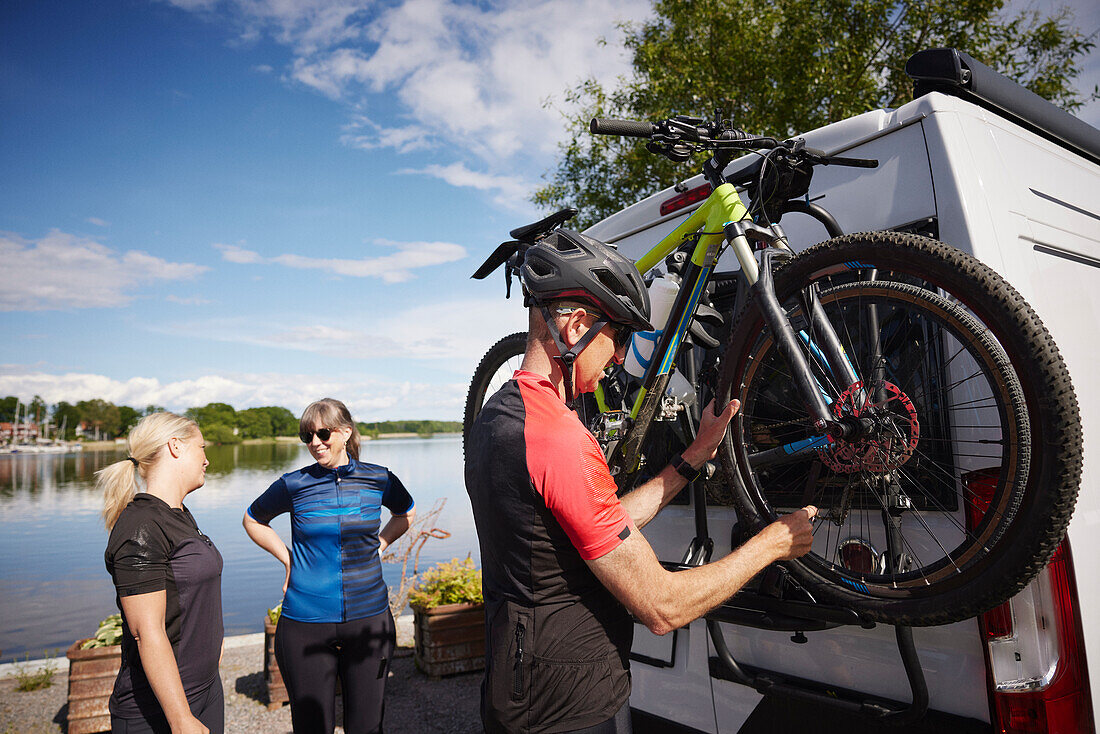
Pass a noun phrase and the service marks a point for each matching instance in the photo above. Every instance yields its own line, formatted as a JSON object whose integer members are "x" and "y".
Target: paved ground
{"x": 414, "y": 702}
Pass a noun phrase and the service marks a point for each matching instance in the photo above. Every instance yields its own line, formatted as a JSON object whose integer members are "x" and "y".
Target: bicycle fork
{"x": 822, "y": 339}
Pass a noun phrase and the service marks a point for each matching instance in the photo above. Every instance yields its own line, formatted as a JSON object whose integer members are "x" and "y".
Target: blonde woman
{"x": 336, "y": 619}
{"x": 167, "y": 578}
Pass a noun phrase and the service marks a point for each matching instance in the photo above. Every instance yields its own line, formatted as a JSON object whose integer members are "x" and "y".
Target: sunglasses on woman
{"x": 322, "y": 433}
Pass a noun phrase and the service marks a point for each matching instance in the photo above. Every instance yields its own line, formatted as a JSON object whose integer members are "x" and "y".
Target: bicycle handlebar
{"x": 627, "y": 128}
{"x": 678, "y": 136}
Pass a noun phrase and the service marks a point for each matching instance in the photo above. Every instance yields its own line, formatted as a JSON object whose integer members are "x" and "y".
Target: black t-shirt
{"x": 155, "y": 547}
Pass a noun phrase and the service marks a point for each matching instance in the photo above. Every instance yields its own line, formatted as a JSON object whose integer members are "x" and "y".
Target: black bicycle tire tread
{"x": 1052, "y": 402}
{"x": 488, "y": 366}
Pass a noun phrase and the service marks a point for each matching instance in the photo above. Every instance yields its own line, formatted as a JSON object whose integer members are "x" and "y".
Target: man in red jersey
{"x": 564, "y": 564}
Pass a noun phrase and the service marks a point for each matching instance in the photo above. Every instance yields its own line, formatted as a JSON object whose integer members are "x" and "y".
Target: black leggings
{"x": 312, "y": 654}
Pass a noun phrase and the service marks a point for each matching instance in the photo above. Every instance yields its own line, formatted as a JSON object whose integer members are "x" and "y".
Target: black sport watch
{"x": 684, "y": 469}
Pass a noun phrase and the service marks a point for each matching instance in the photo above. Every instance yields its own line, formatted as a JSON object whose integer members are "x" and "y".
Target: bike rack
{"x": 770, "y": 611}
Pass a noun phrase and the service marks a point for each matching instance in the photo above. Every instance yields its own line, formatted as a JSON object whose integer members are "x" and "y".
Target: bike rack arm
{"x": 892, "y": 713}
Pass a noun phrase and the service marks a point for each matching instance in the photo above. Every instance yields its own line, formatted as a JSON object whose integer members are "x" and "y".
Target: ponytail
{"x": 118, "y": 481}
{"x": 333, "y": 414}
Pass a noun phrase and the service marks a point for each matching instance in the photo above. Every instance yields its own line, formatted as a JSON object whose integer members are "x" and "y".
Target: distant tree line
{"x": 421, "y": 428}
{"x": 220, "y": 422}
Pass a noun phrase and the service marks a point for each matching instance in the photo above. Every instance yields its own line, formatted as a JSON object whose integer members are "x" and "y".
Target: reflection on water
{"x": 54, "y": 587}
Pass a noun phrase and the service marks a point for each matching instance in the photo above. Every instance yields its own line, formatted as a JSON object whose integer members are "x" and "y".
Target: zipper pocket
{"x": 517, "y": 670}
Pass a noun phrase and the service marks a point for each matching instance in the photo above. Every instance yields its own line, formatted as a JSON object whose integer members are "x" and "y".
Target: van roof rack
{"x": 953, "y": 72}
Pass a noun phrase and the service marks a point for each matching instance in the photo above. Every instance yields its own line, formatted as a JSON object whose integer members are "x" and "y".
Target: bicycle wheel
{"x": 961, "y": 482}
{"x": 495, "y": 369}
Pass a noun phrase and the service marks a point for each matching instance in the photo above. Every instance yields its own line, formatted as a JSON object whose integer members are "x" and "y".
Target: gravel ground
{"x": 414, "y": 702}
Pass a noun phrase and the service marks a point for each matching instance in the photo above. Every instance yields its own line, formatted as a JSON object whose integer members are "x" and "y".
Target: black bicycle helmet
{"x": 567, "y": 265}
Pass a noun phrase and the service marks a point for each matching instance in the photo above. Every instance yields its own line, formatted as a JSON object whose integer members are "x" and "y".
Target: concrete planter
{"x": 449, "y": 639}
{"x": 92, "y": 676}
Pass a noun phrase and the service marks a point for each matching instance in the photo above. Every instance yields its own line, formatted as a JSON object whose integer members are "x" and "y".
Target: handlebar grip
{"x": 628, "y": 128}
{"x": 853, "y": 162}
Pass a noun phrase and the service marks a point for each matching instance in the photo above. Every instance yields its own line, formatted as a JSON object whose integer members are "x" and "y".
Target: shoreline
{"x": 121, "y": 443}
{"x": 60, "y": 663}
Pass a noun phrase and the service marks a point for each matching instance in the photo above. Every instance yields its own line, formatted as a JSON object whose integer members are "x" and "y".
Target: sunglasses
{"x": 620, "y": 333}
{"x": 322, "y": 433}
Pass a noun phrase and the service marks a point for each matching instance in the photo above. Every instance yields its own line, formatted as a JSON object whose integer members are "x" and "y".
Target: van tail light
{"x": 686, "y": 199}
{"x": 1035, "y": 653}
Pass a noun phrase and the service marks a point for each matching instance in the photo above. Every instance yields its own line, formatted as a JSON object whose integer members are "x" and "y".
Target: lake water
{"x": 54, "y": 588}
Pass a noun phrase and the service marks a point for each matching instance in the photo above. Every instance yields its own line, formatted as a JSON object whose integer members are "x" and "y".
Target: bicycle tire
{"x": 495, "y": 368}
{"x": 1037, "y": 477}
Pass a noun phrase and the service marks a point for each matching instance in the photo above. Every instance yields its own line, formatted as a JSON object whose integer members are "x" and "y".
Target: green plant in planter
{"x": 108, "y": 634}
{"x": 455, "y": 582}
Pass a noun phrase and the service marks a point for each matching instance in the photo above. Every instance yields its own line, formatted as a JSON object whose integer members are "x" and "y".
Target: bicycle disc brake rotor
{"x": 890, "y": 441}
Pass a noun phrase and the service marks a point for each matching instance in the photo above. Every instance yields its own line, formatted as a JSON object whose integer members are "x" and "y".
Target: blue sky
{"x": 263, "y": 202}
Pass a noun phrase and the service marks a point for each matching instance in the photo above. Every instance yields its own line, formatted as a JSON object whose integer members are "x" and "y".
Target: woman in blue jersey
{"x": 336, "y": 620}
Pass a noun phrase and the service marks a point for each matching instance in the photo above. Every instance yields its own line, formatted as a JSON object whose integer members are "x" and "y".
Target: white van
{"x": 984, "y": 165}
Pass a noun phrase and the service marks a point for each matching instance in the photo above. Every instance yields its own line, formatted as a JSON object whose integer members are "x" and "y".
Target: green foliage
{"x": 213, "y": 414}
{"x": 102, "y": 415}
{"x": 782, "y": 67}
{"x": 219, "y": 433}
{"x": 127, "y": 418}
{"x": 37, "y": 680}
{"x": 448, "y": 583}
{"x": 109, "y": 633}
{"x": 7, "y": 408}
{"x": 275, "y": 613}
{"x": 424, "y": 428}
{"x": 266, "y": 422}
{"x": 69, "y": 416}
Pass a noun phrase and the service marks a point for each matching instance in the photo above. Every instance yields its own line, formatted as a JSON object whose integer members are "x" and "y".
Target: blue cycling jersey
{"x": 335, "y": 515}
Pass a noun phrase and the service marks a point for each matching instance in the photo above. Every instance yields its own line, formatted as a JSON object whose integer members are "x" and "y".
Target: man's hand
{"x": 791, "y": 535}
{"x": 711, "y": 430}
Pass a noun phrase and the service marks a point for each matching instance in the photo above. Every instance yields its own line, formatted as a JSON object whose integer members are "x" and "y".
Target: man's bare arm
{"x": 665, "y": 600}
{"x": 646, "y": 500}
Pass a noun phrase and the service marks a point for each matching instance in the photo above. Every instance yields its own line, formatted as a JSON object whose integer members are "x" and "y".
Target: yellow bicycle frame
{"x": 708, "y": 222}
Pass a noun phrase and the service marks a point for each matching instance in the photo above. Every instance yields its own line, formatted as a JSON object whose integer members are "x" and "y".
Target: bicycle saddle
{"x": 530, "y": 232}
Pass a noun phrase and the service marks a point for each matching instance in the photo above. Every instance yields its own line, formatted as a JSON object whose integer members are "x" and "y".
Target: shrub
{"x": 448, "y": 583}
{"x": 28, "y": 681}
{"x": 274, "y": 613}
{"x": 109, "y": 633}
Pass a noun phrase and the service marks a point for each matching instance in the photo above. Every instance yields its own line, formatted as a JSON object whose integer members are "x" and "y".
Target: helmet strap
{"x": 566, "y": 356}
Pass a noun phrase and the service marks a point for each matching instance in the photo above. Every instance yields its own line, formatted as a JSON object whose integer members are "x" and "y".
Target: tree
{"x": 68, "y": 416}
{"x": 37, "y": 409}
{"x": 102, "y": 415}
{"x": 213, "y": 413}
{"x": 127, "y": 418}
{"x": 781, "y": 67}
{"x": 7, "y": 408}
{"x": 219, "y": 433}
{"x": 283, "y": 422}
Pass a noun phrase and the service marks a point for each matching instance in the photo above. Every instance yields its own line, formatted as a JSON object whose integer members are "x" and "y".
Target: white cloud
{"x": 478, "y": 76}
{"x": 97, "y": 222}
{"x": 368, "y": 398}
{"x": 239, "y": 255}
{"x": 188, "y": 300}
{"x": 474, "y": 78}
{"x": 393, "y": 268}
{"x": 440, "y": 332}
{"x": 365, "y": 134}
{"x": 511, "y": 191}
{"x": 66, "y": 271}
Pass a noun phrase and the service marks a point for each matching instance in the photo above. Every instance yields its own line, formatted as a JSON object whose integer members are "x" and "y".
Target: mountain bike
{"x": 893, "y": 381}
